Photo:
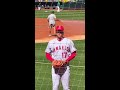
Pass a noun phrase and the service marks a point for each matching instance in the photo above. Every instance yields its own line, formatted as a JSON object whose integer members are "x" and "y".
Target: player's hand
{"x": 57, "y": 63}
{"x": 64, "y": 62}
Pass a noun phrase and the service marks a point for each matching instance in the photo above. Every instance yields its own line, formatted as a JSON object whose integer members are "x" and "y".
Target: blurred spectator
{"x": 54, "y": 6}
{"x": 36, "y": 0}
{"x": 39, "y": 6}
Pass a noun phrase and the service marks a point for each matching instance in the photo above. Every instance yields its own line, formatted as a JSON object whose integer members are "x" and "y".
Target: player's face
{"x": 59, "y": 34}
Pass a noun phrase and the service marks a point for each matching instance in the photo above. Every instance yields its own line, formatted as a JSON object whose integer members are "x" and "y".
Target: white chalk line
{"x": 50, "y": 63}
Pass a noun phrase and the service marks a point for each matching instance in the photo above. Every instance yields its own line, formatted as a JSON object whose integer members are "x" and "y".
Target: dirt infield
{"x": 74, "y": 30}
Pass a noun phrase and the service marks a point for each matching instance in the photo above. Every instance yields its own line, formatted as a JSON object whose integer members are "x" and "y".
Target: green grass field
{"x": 65, "y": 14}
{"x": 43, "y": 68}
{"x": 43, "y": 79}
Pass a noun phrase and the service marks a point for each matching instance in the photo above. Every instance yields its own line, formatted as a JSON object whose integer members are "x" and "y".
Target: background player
{"x": 63, "y": 49}
{"x": 58, "y": 6}
{"x": 51, "y": 19}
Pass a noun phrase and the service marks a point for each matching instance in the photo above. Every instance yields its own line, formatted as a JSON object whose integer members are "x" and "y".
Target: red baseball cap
{"x": 59, "y": 28}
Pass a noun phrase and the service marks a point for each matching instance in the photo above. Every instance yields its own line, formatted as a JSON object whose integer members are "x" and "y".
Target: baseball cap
{"x": 60, "y": 28}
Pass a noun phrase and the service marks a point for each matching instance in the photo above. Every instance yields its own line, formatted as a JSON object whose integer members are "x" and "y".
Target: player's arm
{"x": 55, "y": 63}
{"x": 48, "y": 52}
{"x": 71, "y": 57}
{"x": 49, "y": 57}
{"x": 73, "y": 52}
{"x": 55, "y": 18}
{"x": 48, "y": 18}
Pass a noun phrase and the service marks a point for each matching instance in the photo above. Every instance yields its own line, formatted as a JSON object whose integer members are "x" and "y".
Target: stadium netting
{"x": 43, "y": 78}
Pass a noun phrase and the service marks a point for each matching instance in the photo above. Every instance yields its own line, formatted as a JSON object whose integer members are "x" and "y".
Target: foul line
{"x": 50, "y": 63}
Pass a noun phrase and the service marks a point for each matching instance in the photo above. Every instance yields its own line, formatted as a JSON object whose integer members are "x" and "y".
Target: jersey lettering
{"x": 56, "y": 48}
{"x": 64, "y": 54}
{"x": 61, "y": 48}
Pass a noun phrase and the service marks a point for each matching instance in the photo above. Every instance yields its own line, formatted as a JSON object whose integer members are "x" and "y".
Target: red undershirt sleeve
{"x": 48, "y": 56}
{"x": 71, "y": 57}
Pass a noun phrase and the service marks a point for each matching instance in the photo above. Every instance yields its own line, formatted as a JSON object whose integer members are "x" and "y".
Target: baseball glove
{"x": 57, "y": 63}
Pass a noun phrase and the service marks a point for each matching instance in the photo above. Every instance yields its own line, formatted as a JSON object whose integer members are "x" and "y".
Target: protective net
{"x": 63, "y": 4}
{"x": 72, "y": 13}
{"x": 43, "y": 79}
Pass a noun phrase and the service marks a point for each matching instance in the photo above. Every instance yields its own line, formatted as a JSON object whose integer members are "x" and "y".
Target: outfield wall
{"x": 64, "y": 6}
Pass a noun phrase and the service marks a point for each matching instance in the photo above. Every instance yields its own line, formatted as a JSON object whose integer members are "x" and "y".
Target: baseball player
{"x": 58, "y": 6}
{"x": 60, "y": 49}
{"x": 51, "y": 19}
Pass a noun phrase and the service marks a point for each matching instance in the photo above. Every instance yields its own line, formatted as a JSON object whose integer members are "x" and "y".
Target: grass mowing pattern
{"x": 64, "y": 15}
{"x": 43, "y": 71}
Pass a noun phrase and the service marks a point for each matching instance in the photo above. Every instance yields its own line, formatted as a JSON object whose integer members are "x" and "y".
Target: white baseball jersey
{"x": 60, "y": 50}
{"x": 51, "y": 19}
